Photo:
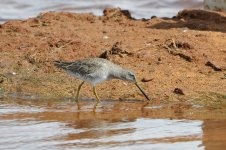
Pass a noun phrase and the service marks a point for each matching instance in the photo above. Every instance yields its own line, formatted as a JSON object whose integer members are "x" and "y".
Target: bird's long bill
{"x": 142, "y": 91}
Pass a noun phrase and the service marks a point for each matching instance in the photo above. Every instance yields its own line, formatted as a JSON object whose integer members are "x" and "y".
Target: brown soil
{"x": 174, "y": 59}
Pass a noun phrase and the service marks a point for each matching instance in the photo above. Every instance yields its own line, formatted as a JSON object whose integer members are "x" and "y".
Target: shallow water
{"x": 61, "y": 124}
{"x": 22, "y": 9}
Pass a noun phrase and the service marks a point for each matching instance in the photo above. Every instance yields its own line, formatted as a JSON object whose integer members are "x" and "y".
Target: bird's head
{"x": 130, "y": 76}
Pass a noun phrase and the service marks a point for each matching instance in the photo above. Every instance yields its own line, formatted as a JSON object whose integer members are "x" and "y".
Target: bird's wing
{"x": 83, "y": 67}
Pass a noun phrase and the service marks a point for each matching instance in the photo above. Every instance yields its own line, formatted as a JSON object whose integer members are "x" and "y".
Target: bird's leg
{"x": 95, "y": 93}
{"x": 95, "y": 107}
{"x": 79, "y": 87}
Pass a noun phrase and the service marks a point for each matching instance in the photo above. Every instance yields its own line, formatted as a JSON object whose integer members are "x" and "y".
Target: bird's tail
{"x": 61, "y": 64}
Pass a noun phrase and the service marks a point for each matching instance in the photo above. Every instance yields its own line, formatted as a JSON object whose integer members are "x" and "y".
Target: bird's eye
{"x": 132, "y": 75}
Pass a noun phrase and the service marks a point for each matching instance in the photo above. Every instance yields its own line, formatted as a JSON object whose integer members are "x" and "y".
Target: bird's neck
{"x": 118, "y": 73}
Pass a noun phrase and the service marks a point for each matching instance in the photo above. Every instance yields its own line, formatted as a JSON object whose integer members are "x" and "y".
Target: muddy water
{"x": 22, "y": 9}
{"x": 61, "y": 124}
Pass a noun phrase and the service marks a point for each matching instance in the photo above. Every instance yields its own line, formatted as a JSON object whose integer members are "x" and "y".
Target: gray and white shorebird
{"x": 97, "y": 70}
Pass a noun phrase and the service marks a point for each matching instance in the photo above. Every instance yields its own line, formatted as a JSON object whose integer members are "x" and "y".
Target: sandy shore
{"x": 183, "y": 58}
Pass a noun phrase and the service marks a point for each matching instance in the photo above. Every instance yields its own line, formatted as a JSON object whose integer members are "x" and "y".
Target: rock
{"x": 217, "y": 5}
{"x": 202, "y": 15}
{"x": 178, "y": 91}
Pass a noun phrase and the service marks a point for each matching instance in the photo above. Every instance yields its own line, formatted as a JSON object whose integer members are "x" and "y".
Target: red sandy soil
{"x": 175, "y": 59}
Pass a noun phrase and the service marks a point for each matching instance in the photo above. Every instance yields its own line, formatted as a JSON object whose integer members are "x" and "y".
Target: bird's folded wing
{"x": 83, "y": 68}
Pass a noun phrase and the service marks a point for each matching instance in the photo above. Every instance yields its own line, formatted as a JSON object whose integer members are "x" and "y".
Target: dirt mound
{"x": 175, "y": 58}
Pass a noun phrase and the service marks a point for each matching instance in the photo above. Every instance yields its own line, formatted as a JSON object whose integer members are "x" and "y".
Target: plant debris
{"x": 146, "y": 80}
{"x": 174, "y": 49}
{"x": 212, "y": 65}
{"x": 115, "y": 50}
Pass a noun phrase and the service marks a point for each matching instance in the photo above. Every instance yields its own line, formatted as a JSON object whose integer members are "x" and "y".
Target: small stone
{"x": 1, "y": 80}
{"x": 178, "y": 91}
{"x": 105, "y": 37}
{"x": 146, "y": 80}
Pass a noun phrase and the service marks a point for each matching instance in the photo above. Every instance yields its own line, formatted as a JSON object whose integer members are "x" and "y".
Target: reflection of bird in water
{"x": 97, "y": 70}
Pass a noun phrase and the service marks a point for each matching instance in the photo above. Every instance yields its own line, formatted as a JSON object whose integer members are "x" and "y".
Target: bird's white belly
{"x": 93, "y": 79}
